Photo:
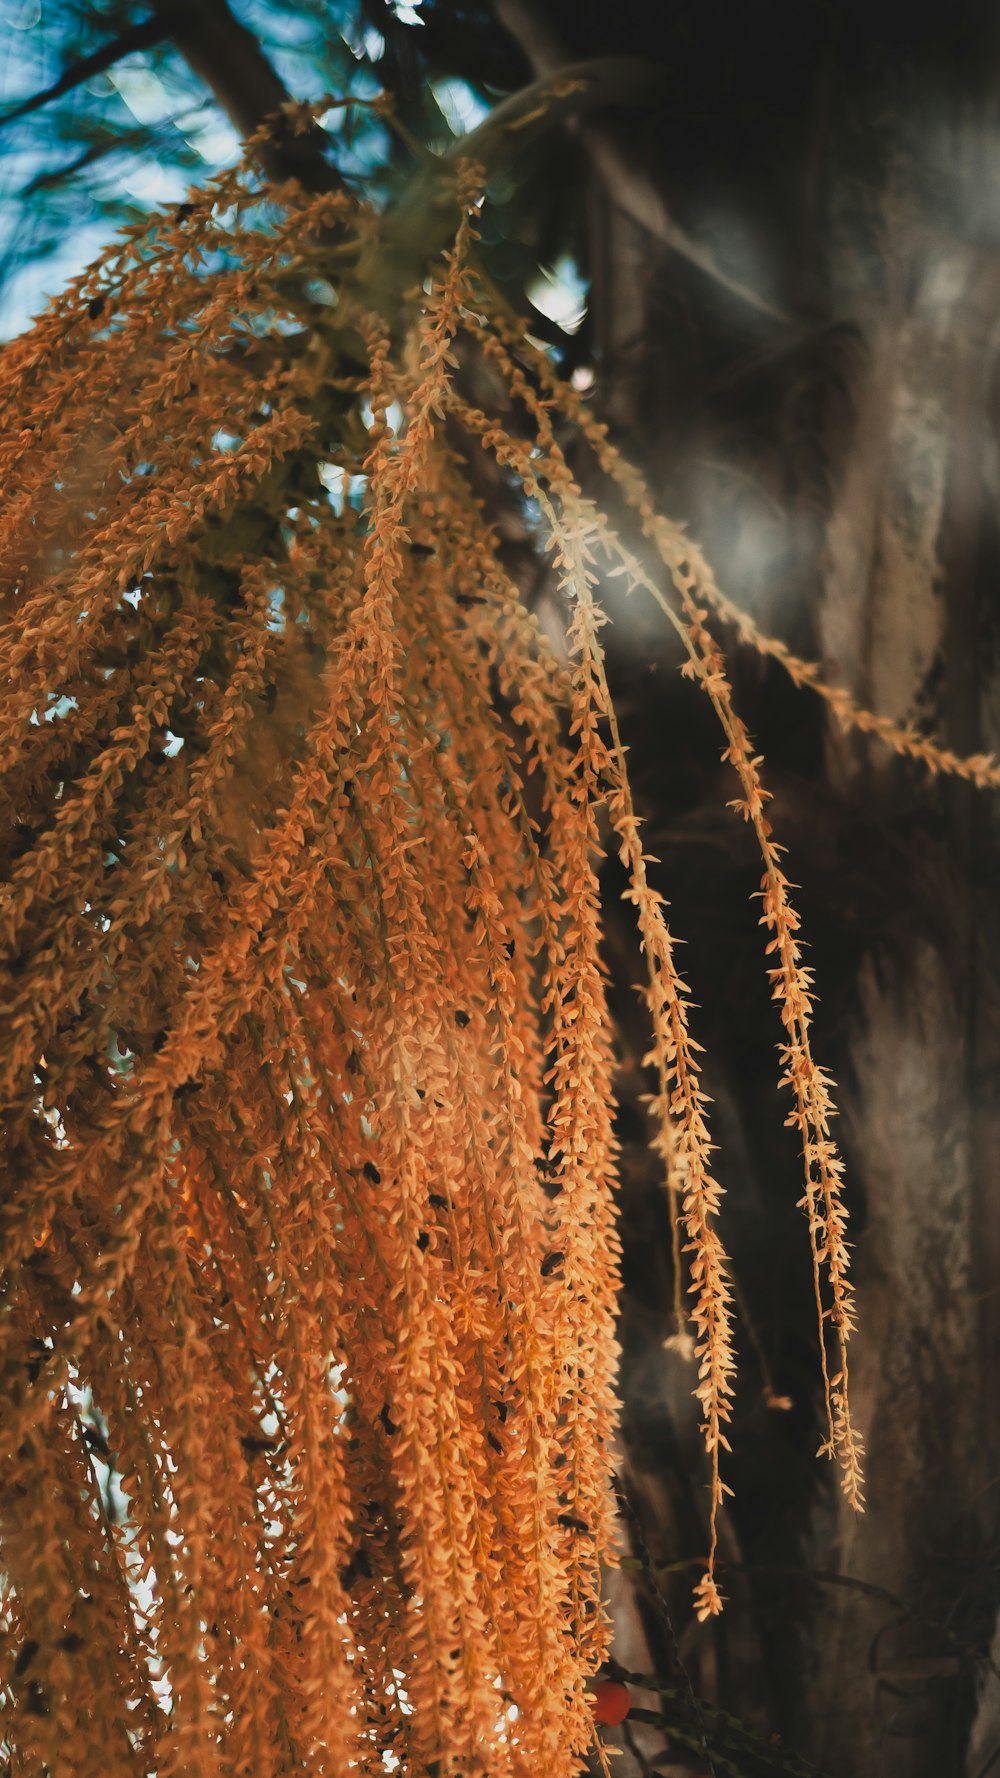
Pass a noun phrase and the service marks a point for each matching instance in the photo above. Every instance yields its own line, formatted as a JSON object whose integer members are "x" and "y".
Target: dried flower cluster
{"x": 309, "y": 1249}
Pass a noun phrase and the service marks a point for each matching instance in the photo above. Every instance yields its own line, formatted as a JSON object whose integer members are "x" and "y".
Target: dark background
{"x": 783, "y": 238}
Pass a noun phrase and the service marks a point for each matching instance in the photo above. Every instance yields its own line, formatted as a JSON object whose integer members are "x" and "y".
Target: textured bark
{"x": 901, "y": 624}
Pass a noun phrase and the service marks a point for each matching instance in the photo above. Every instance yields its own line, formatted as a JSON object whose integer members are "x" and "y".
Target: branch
{"x": 228, "y": 58}
{"x": 152, "y": 30}
{"x": 627, "y": 186}
{"x": 141, "y": 137}
{"x": 420, "y": 223}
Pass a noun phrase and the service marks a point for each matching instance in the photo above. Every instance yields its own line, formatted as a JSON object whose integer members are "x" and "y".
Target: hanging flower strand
{"x": 310, "y": 1248}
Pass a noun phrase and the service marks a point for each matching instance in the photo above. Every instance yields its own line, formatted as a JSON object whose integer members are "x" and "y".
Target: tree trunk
{"x": 869, "y": 525}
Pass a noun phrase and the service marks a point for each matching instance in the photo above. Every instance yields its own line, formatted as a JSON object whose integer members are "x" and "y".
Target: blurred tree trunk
{"x": 907, "y": 616}
{"x": 901, "y": 594}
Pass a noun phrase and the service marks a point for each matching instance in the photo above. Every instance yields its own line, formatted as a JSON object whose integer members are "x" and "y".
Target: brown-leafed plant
{"x": 309, "y": 1244}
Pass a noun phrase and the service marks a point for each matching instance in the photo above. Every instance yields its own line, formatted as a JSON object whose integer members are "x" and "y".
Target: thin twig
{"x": 826, "y": 1578}
{"x": 626, "y": 184}
{"x": 649, "y": 1569}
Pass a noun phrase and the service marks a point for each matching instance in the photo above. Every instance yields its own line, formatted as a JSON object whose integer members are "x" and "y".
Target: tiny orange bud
{"x": 610, "y": 1701}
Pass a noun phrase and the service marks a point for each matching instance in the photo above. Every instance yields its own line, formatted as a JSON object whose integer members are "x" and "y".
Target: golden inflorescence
{"x": 310, "y": 1260}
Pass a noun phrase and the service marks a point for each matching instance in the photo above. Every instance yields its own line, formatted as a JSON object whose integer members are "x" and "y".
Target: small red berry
{"x": 610, "y": 1701}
